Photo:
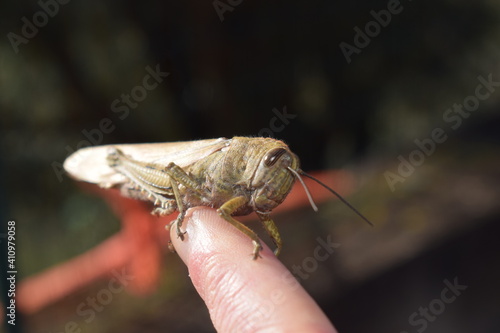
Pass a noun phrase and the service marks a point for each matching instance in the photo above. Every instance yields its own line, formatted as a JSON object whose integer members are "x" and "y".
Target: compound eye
{"x": 273, "y": 156}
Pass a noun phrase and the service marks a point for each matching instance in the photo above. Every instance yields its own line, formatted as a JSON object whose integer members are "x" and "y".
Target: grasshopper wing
{"x": 90, "y": 164}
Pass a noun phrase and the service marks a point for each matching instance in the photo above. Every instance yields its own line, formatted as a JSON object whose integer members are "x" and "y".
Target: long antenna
{"x": 309, "y": 196}
{"x": 335, "y": 193}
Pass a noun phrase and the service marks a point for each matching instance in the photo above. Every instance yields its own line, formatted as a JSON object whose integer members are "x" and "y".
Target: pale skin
{"x": 243, "y": 295}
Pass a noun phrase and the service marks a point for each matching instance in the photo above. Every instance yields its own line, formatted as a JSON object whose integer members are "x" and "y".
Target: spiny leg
{"x": 167, "y": 209}
{"x": 180, "y": 207}
{"x": 179, "y": 176}
{"x": 148, "y": 178}
{"x": 272, "y": 230}
{"x": 228, "y": 208}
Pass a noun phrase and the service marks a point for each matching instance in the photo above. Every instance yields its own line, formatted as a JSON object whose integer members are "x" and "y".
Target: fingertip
{"x": 219, "y": 259}
{"x": 208, "y": 234}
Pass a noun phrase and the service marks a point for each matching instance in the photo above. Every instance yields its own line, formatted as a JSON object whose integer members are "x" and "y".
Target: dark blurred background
{"x": 355, "y": 101}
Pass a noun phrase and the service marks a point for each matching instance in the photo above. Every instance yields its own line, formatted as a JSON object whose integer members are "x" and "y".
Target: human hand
{"x": 243, "y": 295}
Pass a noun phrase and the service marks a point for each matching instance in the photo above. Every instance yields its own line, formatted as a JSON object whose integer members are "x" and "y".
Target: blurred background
{"x": 402, "y": 96}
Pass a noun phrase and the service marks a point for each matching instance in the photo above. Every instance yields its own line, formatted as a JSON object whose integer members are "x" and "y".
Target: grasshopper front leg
{"x": 272, "y": 230}
{"x": 228, "y": 208}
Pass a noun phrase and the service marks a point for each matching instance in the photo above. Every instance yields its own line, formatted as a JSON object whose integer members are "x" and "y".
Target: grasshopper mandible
{"x": 236, "y": 176}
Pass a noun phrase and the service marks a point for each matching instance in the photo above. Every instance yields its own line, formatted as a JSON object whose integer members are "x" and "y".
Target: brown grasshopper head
{"x": 273, "y": 179}
{"x": 275, "y": 176}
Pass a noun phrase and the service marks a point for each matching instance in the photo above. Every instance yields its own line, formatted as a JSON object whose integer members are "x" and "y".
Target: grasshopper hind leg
{"x": 177, "y": 222}
{"x": 181, "y": 208}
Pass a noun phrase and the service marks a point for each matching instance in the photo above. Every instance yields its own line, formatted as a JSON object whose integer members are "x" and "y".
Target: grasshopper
{"x": 237, "y": 176}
